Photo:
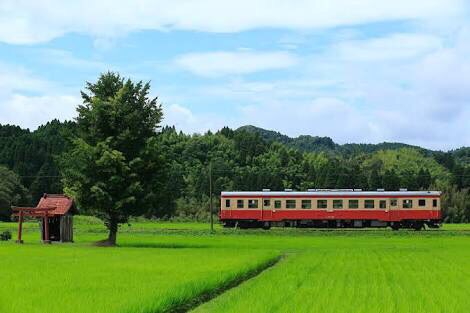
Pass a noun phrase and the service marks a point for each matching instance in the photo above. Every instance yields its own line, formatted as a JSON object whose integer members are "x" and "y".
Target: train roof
{"x": 332, "y": 192}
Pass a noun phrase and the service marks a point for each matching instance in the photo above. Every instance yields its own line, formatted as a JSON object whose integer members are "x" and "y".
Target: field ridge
{"x": 219, "y": 290}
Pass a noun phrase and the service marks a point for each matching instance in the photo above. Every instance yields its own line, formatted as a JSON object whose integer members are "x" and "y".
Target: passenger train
{"x": 334, "y": 208}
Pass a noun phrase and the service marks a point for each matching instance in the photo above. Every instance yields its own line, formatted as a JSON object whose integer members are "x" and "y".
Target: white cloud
{"x": 413, "y": 92}
{"x": 67, "y": 59}
{"x": 25, "y": 22}
{"x": 19, "y": 79}
{"x": 213, "y": 64}
{"x": 397, "y": 46}
{"x": 346, "y": 122}
{"x": 33, "y": 111}
{"x": 410, "y": 87}
{"x": 322, "y": 116}
{"x": 184, "y": 119}
{"x": 28, "y": 101}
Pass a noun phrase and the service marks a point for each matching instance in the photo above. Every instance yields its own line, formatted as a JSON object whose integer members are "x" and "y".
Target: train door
{"x": 267, "y": 212}
{"x": 394, "y": 211}
{"x": 384, "y": 205}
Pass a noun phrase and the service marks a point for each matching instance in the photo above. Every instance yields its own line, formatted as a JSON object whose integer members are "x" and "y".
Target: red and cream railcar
{"x": 331, "y": 208}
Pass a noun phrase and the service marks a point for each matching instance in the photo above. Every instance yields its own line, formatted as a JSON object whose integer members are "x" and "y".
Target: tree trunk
{"x": 112, "y": 237}
{"x": 111, "y": 241}
{"x": 113, "y": 228}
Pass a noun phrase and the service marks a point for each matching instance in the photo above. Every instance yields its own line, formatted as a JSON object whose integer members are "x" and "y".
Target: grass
{"x": 361, "y": 275}
{"x": 456, "y": 227}
{"x": 161, "y": 266}
{"x": 66, "y": 278}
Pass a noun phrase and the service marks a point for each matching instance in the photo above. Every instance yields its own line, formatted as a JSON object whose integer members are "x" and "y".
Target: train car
{"x": 351, "y": 208}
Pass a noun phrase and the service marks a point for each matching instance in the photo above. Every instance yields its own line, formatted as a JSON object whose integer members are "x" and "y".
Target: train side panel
{"x": 385, "y": 209}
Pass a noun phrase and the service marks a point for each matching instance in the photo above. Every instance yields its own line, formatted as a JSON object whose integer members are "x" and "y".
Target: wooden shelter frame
{"x": 43, "y": 213}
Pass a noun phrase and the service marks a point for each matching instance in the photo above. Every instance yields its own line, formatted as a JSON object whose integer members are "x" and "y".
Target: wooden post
{"x": 20, "y": 227}
{"x": 46, "y": 229}
{"x": 70, "y": 230}
{"x": 211, "y": 207}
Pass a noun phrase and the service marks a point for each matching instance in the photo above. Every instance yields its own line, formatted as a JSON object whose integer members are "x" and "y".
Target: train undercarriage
{"x": 404, "y": 224}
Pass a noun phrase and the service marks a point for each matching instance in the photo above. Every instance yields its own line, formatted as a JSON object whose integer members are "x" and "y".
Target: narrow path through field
{"x": 211, "y": 294}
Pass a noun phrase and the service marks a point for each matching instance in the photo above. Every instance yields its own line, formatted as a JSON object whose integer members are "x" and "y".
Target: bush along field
{"x": 177, "y": 267}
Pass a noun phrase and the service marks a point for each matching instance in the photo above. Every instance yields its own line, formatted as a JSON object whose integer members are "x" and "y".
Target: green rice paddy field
{"x": 174, "y": 267}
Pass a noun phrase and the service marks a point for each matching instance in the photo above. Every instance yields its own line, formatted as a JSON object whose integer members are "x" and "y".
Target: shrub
{"x": 5, "y": 236}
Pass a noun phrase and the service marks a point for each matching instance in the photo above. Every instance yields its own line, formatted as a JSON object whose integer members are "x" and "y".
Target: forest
{"x": 247, "y": 158}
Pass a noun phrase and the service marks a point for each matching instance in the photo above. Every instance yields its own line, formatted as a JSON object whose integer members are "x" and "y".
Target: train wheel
{"x": 244, "y": 225}
{"x": 266, "y": 226}
{"x": 229, "y": 224}
{"x": 418, "y": 226}
{"x": 395, "y": 226}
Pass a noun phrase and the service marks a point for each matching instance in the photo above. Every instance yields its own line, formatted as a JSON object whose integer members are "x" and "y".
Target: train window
{"x": 393, "y": 202}
{"x": 322, "y": 204}
{"x": 240, "y": 204}
{"x": 306, "y": 204}
{"x": 407, "y": 204}
{"x": 369, "y": 204}
{"x": 227, "y": 203}
{"x": 434, "y": 203}
{"x": 353, "y": 204}
{"x": 252, "y": 204}
{"x": 277, "y": 204}
{"x": 290, "y": 204}
{"x": 266, "y": 202}
{"x": 422, "y": 202}
{"x": 337, "y": 204}
{"x": 383, "y": 204}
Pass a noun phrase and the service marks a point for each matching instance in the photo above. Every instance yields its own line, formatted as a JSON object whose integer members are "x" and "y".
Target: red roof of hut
{"x": 62, "y": 204}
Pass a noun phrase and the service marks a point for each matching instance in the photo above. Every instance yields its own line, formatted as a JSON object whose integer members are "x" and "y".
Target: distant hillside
{"x": 31, "y": 155}
{"x": 355, "y": 148}
{"x": 268, "y": 135}
{"x": 462, "y": 155}
{"x": 304, "y": 143}
{"x": 309, "y": 143}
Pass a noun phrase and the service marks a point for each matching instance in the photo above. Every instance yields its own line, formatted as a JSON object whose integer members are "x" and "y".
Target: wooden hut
{"x": 60, "y": 219}
{"x": 56, "y": 214}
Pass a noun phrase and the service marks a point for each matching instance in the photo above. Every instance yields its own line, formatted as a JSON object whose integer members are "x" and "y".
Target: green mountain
{"x": 462, "y": 155}
{"x": 307, "y": 143}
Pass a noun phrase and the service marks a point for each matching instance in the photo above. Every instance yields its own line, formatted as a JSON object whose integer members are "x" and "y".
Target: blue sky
{"x": 357, "y": 71}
